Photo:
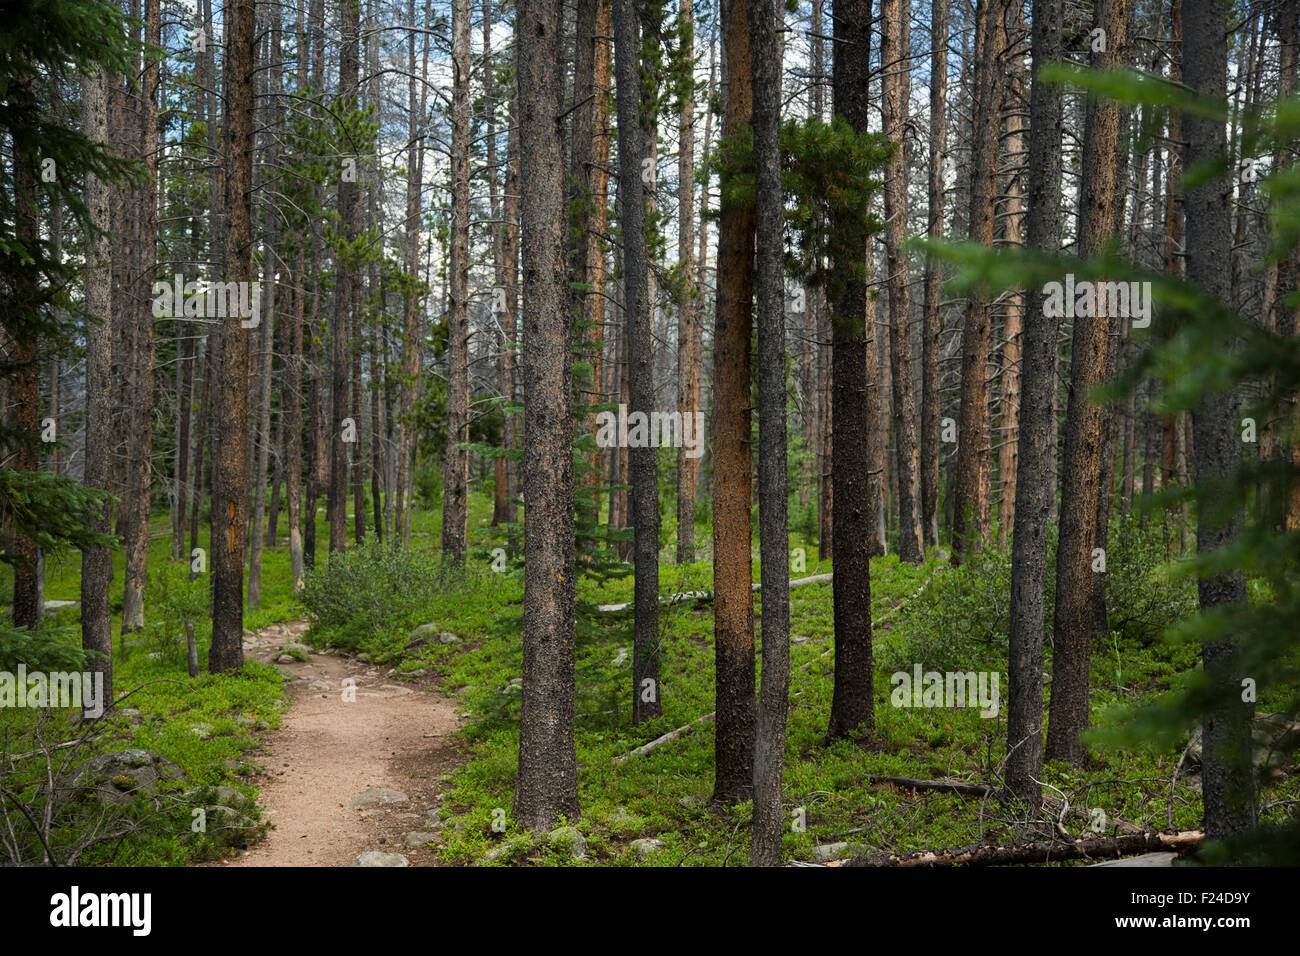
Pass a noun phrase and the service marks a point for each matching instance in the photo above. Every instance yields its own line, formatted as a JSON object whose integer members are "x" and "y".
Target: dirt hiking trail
{"x": 343, "y": 778}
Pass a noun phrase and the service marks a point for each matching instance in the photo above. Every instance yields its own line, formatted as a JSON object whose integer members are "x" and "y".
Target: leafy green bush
{"x": 370, "y": 589}
{"x": 174, "y": 601}
{"x": 1143, "y": 597}
{"x": 960, "y": 622}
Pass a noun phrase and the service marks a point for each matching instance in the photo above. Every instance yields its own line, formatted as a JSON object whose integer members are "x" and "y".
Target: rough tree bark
{"x": 854, "y": 412}
{"x": 1036, "y": 454}
{"x": 455, "y": 471}
{"x": 1075, "y": 577}
{"x": 895, "y": 56}
{"x": 733, "y": 609}
{"x": 773, "y": 526}
{"x": 1228, "y": 777}
{"x": 547, "y": 786}
{"x": 230, "y": 395}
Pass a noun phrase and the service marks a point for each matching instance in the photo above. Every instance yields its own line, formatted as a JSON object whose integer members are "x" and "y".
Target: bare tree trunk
{"x": 455, "y": 472}
{"x": 1075, "y": 577}
{"x": 1228, "y": 776}
{"x": 774, "y": 537}
{"x": 930, "y": 345}
{"x": 854, "y": 412}
{"x": 97, "y": 562}
{"x": 1013, "y": 326}
{"x": 230, "y": 398}
{"x": 547, "y": 786}
{"x": 633, "y": 139}
{"x": 688, "y": 318}
{"x": 733, "y": 609}
{"x": 895, "y": 56}
{"x": 970, "y": 516}
{"x": 140, "y": 435}
{"x": 1037, "y": 459}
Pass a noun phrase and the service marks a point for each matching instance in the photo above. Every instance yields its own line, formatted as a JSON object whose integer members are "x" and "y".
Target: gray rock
{"x": 203, "y": 731}
{"x": 119, "y": 777}
{"x": 569, "y": 837}
{"x": 377, "y": 797}
{"x": 830, "y": 851}
{"x": 446, "y": 637}
{"x": 411, "y": 675}
{"x": 422, "y": 634}
{"x": 646, "y": 846}
{"x": 692, "y": 801}
{"x": 379, "y": 858}
{"x": 419, "y": 838}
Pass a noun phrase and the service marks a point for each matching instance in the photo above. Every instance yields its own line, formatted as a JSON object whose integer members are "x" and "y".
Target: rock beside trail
{"x": 377, "y": 797}
{"x": 379, "y": 858}
{"x": 419, "y": 838}
{"x": 572, "y": 839}
{"x": 830, "y": 851}
{"x": 647, "y": 846}
{"x": 120, "y": 776}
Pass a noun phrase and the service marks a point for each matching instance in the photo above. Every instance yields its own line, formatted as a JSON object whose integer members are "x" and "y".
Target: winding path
{"x": 328, "y": 751}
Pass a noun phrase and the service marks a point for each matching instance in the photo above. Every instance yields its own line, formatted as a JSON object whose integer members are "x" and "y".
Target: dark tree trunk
{"x": 930, "y": 345}
{"x": 455, "y": 472}
{"x": 230, "y": 397}
{"x": 773, "y": 531}
{"x": 633, "y": 138}
{"x": 1037, "y": 460}
{"x": 1229, "y": 790}
{"x": 1084, "y": 439}
{"x": 547, "y": 786}
{"x": 854, "y": 413}
{"x": 895, "y": 53}
{"x": 970, "y": 514}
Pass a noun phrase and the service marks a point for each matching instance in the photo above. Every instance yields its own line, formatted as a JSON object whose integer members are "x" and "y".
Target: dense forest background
{"x": 677, "y": 385}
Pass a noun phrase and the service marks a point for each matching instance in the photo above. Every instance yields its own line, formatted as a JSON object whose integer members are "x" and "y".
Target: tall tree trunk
{"x": 1075, "y": 578}
{"x": 933, "y": 306}
{"x": 854, "y": 412}
{"x": 1037, "y": 460}
{"x": 632, "y": 151}
{"x": 341, "y": 403}
{"x": 733, "y": 606}
{"x": 773, "y": 530}
{"x": 689, "y": 345}
{"x": 455, "y": 472}
{"x": 547, "y": 786}
{"x": 1228, "y": 776}
{"x": 970, "y": 515}
{"x": 140, "y": 435}
{"x": 589, "y": 208}
{"x": 1013, "y": 324}
{"x": 230, "y": 398}
{"x": 895, "y": 57}
{"x": 97, "y": 561}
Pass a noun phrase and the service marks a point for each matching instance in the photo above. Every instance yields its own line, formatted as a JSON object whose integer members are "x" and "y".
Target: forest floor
{"x": 337, "y": 768}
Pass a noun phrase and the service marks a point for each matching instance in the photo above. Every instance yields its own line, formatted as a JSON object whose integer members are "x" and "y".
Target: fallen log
{"x": 704, "y": 597}
{"x": 666, "y": 738}
{"x": 1042, "y": 851}
{"x": 947, "y": 786}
